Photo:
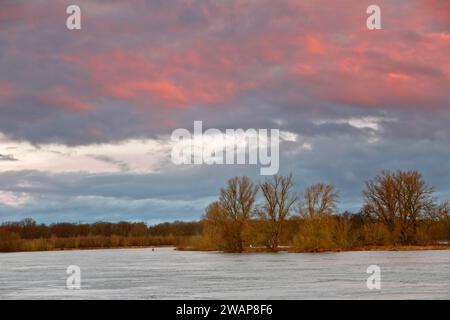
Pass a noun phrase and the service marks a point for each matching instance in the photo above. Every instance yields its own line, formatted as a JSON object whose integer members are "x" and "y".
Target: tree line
{"x": 398, "y": 209}
{"x": 27, "y": 235}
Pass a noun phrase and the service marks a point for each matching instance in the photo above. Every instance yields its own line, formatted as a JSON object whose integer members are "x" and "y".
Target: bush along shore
{"x": 399, "y": 212}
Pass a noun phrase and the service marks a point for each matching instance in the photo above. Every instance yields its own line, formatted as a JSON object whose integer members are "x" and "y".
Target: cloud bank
{"x": 85, "y": 115}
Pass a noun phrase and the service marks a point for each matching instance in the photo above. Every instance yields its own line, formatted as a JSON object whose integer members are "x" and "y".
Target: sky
{"x": 86, "y": 115}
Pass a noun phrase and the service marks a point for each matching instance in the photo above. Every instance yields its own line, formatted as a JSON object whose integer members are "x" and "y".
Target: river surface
{"x": 169, "y": 274}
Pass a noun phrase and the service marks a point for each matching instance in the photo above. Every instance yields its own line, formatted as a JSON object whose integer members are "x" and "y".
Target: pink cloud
{"x": 7, "y": 91}
{"x": 172, "y": 79}
{"x": 234, "y": 48}
{"x": 315, "y": 45}
{"x": 60, "y": 98}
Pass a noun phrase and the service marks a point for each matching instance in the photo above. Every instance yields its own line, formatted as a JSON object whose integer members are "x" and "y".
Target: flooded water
{"x": 169, "y": 274}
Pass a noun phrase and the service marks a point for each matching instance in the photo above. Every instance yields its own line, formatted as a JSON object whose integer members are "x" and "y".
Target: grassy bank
{"x": 361, "y": 248}
{"x": 89, "y": 242}
{"x": 27, "y": 235}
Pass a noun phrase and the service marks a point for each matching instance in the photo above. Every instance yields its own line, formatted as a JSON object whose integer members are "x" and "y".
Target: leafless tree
{"x": 441, "y": 212}
{"x": 399, "y": 200}
{"x": 279, "y": 200}
{"x": 380, "y": 199}
{"x": 237, "y": 202}
{"x": 319, "y": 200}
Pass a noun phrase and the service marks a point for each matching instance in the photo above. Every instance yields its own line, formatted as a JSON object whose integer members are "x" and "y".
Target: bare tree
{"x": 279, "y": 200}
{"x": 380, "y": 199}
{"x": 214, "y": 225}
{"x": 319, "y": 200}
{"x": 237, "y": 202}
{"x": 440, "y": 212}
{"x": 399, "y": 200}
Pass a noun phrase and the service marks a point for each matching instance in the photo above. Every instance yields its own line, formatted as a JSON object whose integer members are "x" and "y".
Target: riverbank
{"x": 108, "y": 243}
{"x": 403, "y": 248}
{"x": 94, "y": 248}
{"x": 256, "y": 250}
{"x": 360, "y": 248}
{"x": 87, "y": 243}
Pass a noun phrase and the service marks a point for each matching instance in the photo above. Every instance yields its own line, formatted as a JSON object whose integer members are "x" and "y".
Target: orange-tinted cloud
{"x": 171, "y": 79}
{"x": 59, "y": 97}
{"x": 178, "y": 56}
{"x": 314, "y": 45}
{"x": 7, "y": 91}
{"x": 329, "y": 52}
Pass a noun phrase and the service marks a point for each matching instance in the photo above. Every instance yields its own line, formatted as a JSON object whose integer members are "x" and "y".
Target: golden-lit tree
{"x": 278, "y": 201}
{"x": 399, "y": 200}
{"x": 318, "y": 200}
{"x": 317, "y": 225}
{"x": 214, "y": 227}
{"x": 237, "y": 201}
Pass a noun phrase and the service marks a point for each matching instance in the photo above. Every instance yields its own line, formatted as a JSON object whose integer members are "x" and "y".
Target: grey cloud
{"x": 182, "y": 192}
{"x": 7, "y": 157}
{"x": 123, "y": 166}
